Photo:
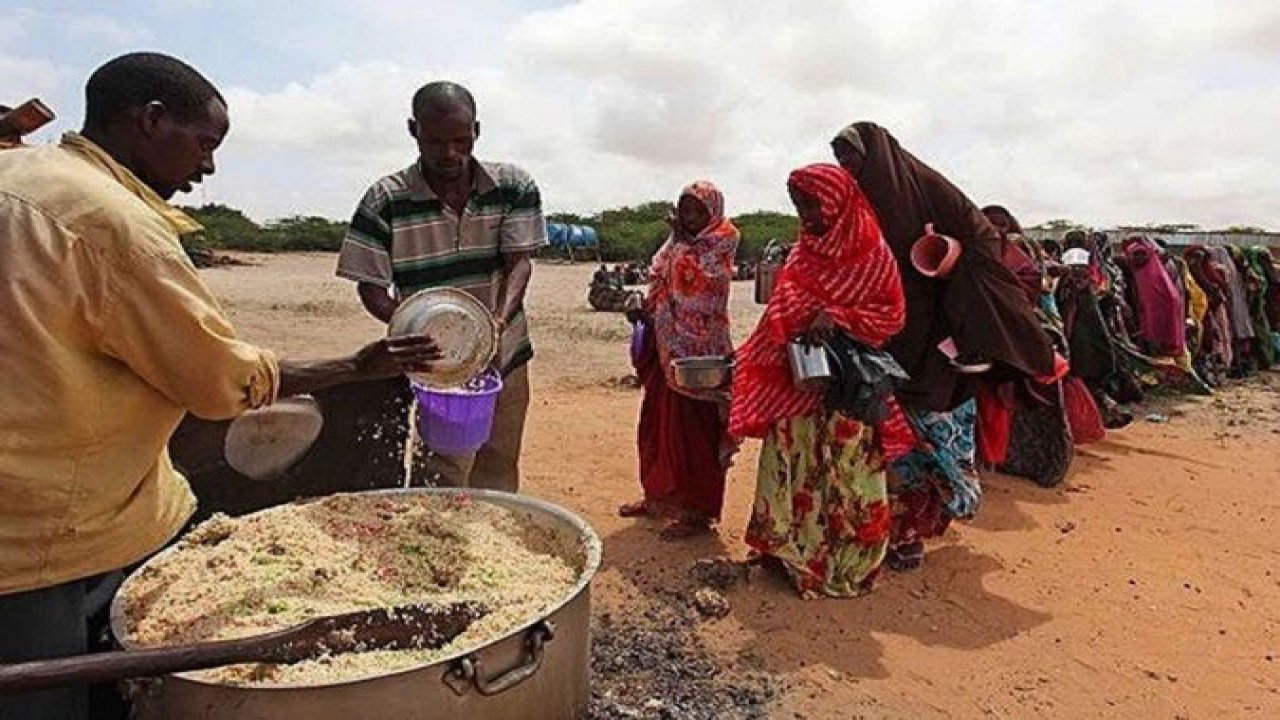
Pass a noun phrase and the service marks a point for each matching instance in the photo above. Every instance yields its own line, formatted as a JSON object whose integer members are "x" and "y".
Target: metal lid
{"x": 461, "y": 326}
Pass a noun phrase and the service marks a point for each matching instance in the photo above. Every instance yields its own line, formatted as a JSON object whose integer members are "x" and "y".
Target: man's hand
{"x": 678, "y": 230}
{"x": 821, "y": 329}
{"x": 390, "y": 357}
{"x": 379, "y": 360}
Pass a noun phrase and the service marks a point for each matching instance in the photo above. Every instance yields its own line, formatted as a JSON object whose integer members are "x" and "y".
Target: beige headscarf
{"x": 851, "y": 136}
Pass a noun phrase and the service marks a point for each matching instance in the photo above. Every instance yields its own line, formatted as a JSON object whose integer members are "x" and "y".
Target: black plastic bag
{"x": 864, "y": 379}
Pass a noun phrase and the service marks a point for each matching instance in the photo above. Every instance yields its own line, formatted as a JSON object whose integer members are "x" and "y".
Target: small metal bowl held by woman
{"x": 710, "y": 372}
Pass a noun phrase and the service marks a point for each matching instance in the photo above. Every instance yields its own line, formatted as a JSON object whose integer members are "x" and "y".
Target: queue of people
{"x": 1015, "y": 353}
{"x": 116, "y": 337}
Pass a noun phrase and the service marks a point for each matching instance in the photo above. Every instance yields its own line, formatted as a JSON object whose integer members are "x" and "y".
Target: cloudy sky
{"x": 1105, "y": 111}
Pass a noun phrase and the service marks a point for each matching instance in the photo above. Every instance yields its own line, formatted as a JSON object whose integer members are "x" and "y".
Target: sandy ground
{"x": 1147, "y": 587}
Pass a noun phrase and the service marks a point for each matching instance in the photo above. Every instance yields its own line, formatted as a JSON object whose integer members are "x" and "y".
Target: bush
{"x": 636, "y": 233}
{"x": 626, "y": 234}
{"x": 226, "y": 228}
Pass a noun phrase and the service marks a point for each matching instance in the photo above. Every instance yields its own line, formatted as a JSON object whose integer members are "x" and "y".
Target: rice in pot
{"x": 231, "y": 578}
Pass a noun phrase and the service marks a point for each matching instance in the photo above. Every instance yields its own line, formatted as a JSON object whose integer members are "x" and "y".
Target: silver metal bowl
{"x": 710, "y": 372}
{"x": 460, "y": 324}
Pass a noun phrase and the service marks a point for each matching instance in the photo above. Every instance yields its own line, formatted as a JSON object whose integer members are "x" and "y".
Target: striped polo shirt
{"x": 403, "y": 237}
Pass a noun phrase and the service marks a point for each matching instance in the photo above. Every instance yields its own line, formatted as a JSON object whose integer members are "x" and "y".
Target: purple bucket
{"x": 458, "y": 421}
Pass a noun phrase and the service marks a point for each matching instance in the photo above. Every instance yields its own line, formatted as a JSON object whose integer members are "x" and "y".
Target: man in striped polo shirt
{"x": 449, "y": 220}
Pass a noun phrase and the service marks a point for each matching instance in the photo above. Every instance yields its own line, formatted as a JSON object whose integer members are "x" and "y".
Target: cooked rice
{"x": 231, "y": 578}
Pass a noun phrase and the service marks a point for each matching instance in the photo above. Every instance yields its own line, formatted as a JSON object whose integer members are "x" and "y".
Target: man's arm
{"x": 365, "y": 255}
{"x": 377, "y": 300}
{"x": 517, "y": 269}
{"x": 378, "y": 360}
{"x": 524, "y": 231}
{"x": 158, "y": 318}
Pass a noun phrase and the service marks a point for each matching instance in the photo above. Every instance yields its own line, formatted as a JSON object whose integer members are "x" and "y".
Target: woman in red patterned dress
{"x": 684, "y": 447}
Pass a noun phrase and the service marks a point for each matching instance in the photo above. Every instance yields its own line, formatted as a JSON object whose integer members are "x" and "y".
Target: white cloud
{"x": 101, "y": 29}
{"x": 1104, "y": 111}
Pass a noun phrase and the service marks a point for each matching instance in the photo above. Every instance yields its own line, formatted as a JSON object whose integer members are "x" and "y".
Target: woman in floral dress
{"x": 821, "y": 506}
{"x": 684, "y": 447}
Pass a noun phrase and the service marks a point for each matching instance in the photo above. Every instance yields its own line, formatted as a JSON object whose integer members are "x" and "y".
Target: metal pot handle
{"x": 466, "y": 672}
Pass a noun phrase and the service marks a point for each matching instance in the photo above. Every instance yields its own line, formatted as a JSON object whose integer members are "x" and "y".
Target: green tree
{"x": 1060, "y": 225}
{"x": 306, "y": 233}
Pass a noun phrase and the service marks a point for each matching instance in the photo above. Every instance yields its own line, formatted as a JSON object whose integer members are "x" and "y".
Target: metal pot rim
{"x": 590, "y": 540}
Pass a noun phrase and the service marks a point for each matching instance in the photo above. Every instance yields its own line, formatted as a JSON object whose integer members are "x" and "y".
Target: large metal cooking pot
{"x": 537, "y": 672}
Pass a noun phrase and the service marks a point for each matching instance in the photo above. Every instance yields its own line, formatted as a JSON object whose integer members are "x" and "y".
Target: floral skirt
{"x": 937, "y": 481}
{"x": 821, "y": 506}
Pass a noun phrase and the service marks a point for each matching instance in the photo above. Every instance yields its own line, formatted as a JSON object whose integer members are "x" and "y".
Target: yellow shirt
{"x": 107, "y": 336}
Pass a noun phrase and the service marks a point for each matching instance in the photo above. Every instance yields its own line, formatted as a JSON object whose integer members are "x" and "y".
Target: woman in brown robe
{"x": 980, "y": 305}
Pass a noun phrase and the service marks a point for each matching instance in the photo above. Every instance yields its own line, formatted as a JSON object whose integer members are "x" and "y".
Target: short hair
{"x": 133, "y": 80}
{"x": 443, "y": 98}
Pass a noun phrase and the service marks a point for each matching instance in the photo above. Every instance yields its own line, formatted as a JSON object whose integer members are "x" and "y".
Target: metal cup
{"x": 766, "y": 279}
{"x": 810, "y": 367}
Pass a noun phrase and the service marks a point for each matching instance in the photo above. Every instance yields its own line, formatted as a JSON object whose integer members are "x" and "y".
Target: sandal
{"x": 686, "y": 528}
{"x": 906, "y": 558}
{"x": 640, "y": 508}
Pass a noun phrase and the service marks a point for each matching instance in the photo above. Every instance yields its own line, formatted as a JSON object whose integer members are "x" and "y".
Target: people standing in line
{"x": 981, "y": 306}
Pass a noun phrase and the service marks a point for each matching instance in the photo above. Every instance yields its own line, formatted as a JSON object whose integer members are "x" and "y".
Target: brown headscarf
{"x": 981, "y": 304}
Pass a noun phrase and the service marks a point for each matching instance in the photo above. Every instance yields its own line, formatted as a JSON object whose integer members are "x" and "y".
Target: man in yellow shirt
{"x": 107, "y": 338}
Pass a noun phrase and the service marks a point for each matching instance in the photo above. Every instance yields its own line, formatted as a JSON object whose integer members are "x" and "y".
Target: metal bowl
{"x": 460, "y": 324}
{"x": 710, "y": 372}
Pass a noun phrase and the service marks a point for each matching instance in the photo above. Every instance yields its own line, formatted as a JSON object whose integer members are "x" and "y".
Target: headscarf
{"x": 689, "y": 287}
{"x": 1016, "y": 255}
{"x": 1258, "y": 260}
{"x": 981, "y": 305}
{"x": 1161, "y": 309}
{"x": 1237, "y": 299}
{"x": 849, "y": 273}
{"x": 1206, "y": 273}
{"x": 1266, "y": 263}
{"x": 999, "y": 210}
{"x": 1215, "y": 345}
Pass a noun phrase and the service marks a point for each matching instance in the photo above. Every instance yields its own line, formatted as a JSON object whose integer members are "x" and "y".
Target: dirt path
{"x": 1147, "y": 587}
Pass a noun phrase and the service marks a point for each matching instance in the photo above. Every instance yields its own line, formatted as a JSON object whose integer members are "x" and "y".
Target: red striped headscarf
{"x": 850, "y": 273}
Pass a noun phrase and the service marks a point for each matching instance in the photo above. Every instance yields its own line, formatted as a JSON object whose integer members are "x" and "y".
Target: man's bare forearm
{"x": 515, "y": 283}
{"x": 298, "y": 377}
{"x": 377, "y": 301}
